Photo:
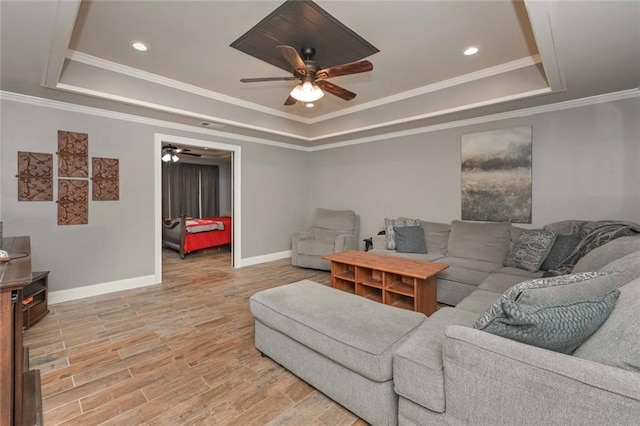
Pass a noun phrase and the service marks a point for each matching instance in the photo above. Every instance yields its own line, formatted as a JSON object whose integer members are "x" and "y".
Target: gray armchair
{"x": 332, "y": 231}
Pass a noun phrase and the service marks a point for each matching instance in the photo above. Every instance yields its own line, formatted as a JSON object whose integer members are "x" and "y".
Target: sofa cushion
{"x": 556, "y": 313}
{"x": 389, "y": 224}
{"x": 410, "y": 239}
{"x": 481, "y": 241}
{"x": 617, "y": 342}
{"x": 417, "y": 364}
{"x": 478, "y": 301}
{"x": 560, "y": 251}
{"x": 315, "y": 247}
{"x": 466, "y": 271}
{"x": 436, "y": 235}
{"x": 606, "y": 253}
{"x": 627, "y": 268}
{"x": 426, "y": 257}
{"x": 500, "y": 281}
{"x": 530, "y": 250}
{"x": 355, "y": 332}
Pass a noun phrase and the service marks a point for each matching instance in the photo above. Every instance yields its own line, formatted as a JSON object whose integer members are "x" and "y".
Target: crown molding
{"x": 65, "y": 106}
{"x": 94, "y": 61}
{"x": 172, "y": 110}
{"x": 575, "y": 103}
{"x": 444, "y": 84}
{"x": 488, "y": 102}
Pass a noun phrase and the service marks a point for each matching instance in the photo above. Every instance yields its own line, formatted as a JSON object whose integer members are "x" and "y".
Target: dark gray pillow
{"x": 556, "y": 313}
{"x": 530, "y": 250}
{"x": 561, "y": 250}
{"x": 410, "y": 239}
{"x": 390, "y": 224}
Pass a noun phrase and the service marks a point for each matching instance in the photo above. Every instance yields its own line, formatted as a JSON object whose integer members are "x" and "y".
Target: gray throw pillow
{"x": 617, "y": 342}
{"x": 543, "y": 313}
{"x": 410, "y": 239}
{"x": 561, "y": 250}
{"x": 530, "y": 250}
{"x": 389, "y": 224}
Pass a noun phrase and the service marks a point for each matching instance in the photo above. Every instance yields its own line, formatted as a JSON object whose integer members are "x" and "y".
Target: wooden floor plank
{"x": 177, "y": 353}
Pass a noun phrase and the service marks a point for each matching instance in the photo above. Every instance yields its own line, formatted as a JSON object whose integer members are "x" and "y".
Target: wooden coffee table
{"x": 397, "y": 281}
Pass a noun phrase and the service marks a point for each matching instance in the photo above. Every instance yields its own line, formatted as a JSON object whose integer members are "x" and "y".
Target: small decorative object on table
{"x": 368, "y": 244}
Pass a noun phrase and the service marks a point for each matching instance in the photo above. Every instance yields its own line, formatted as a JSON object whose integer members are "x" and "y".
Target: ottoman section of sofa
{"x": 352, "y": 331}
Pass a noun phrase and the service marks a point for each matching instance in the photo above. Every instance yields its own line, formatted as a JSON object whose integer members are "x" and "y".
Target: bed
{"x": 186, "y": 235}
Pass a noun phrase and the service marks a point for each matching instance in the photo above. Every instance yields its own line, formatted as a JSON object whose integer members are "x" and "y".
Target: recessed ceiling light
{"x": 309, "y": 105}
{"x": 140, "y": 46}
{"x": 471, "y": 50}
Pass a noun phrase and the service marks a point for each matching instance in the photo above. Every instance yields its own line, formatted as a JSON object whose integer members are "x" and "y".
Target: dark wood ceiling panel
{"x": 302, "y": 24}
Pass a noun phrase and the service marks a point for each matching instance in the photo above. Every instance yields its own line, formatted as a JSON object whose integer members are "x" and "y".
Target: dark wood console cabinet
{"x": 20, "y": 397}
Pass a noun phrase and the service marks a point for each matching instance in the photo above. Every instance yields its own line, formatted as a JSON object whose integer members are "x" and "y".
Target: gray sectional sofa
{"x": 391, "y": 366}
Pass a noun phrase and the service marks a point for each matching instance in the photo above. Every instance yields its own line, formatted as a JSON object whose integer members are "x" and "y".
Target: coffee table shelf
{"x": 404, "y": 283}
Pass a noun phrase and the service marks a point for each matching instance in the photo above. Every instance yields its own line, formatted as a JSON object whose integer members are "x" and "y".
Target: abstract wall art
{"x": 106, "y": 181}
{"x": 35, "y": 176}
{"x": 496, "y": 175}
{"x": 73, "y": 203}
{"x": 73, "y": 154}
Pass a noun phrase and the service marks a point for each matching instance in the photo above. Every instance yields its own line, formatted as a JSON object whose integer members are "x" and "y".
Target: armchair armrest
{"x": 488, "y": 377}
{"x": 346, "y": 242}
{"x": 300, "y": 235}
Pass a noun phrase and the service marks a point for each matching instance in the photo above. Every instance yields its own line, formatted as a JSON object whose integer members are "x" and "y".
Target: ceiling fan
{"x": 312, "y": 77}
{"x": 170, "y": 153}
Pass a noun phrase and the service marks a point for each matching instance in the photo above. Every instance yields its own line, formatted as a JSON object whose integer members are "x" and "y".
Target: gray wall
{"x": 118, "y": 242}
{"x": 585, "y": 166}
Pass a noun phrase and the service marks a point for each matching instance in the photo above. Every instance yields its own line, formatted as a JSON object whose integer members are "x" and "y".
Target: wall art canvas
{"x": 496, "y": 175}
{"x": 73, "y": 154}
{"x": 106, "y": 181}
{"x": 73, "y": 202}
{"x": 35, "y": 176}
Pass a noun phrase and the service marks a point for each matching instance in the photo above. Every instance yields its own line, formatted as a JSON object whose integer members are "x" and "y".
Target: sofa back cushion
{"x": 617, "y": 342}
{"x": 481, "y": 241}
{"x": 606, "y": 253}
{"x": 626, "y": 268}
{"x": 436, "y": 235}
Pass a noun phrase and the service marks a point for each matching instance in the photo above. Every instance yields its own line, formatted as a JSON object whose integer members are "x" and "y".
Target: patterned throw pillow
{"x": 561, "y": 250}
{"x": 531, "y": 313}
{"x": 530, "y": 250}
{"x": 410, "y": 239}
{"x": 391, "y": 236}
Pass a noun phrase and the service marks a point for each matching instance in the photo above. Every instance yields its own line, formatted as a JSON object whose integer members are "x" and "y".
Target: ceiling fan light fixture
{"x": 309, "y": 105}
{"x": 166, "y": 157}
{"x": 175, "y": 158}
{"x": 307, "y": 92}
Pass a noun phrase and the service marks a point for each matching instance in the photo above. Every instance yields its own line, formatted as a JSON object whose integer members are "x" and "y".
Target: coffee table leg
{"x": 427, "y": 295}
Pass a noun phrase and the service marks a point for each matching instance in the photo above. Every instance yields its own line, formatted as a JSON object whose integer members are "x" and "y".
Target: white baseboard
{"x": 264, "y": 258}
{"x": 60, "y": 296}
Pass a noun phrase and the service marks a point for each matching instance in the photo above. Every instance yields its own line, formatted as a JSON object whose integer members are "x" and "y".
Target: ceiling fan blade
{"x": 256, "y": 80}
{"x": 336, "y": 90}
{"x": 291, "y": 55}
{"x": 188, "y": 153}
{"x": 290, "y": 100}
{"x": 346, "y": 69}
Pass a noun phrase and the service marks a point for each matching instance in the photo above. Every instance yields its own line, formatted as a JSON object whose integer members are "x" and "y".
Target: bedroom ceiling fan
{"x": 312, "y": 77}
{"x": 170, "y": 153}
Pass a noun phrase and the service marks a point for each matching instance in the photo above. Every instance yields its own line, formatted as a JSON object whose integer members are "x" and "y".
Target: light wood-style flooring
{"x": 179, "y": 353}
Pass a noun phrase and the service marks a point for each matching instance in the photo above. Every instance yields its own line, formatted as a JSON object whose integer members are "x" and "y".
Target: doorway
{"x": 197, "y": 146}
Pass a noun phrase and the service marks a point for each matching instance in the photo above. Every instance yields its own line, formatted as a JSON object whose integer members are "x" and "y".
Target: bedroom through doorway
{"x": 198, "y": 204}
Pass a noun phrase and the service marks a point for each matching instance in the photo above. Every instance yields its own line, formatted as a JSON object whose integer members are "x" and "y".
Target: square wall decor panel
{"x": 35, "y": 176}
{"x": 73, "y": 202}
{"x": 73, "y": 154}
{"x": 106, "y": 182}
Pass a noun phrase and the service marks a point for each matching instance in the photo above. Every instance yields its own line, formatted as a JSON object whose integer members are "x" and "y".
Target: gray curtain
{"x": 189, "y": 189}
{"x": 209, "y": 186}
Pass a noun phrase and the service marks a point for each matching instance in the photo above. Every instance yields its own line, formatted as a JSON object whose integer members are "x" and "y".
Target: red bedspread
{"x": 202, "y": 240}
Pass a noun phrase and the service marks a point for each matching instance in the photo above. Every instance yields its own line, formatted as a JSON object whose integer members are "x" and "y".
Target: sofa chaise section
{"x": 341, "y": 344}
